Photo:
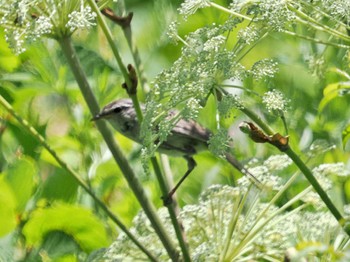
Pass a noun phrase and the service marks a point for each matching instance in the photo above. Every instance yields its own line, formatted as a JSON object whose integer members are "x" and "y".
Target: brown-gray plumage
{"x": 186, "y": 139}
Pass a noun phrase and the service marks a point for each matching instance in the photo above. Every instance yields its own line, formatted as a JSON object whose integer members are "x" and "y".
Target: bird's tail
{"x": 239, "y": 166}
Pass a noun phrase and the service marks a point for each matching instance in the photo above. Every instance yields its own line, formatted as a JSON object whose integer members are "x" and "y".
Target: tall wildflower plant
{"x": 241, "y": 223}
{"x": 229, "y": 223}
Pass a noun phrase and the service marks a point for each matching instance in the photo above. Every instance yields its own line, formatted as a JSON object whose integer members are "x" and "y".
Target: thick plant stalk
{"x": 299, "y": 163}
{"x": 128, "y": 173}
{"x": 131, "y": 88}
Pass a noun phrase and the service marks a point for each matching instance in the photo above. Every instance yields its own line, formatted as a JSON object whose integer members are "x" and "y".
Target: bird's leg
{"x": 239, "y": 166}
{"x": 191, "y": 164}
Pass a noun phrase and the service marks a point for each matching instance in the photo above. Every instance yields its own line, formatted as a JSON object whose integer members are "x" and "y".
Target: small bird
{"x": 186, "y": 139}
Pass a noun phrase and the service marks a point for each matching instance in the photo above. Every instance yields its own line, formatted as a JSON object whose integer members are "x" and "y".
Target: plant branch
{"x": 318, "y": 41}
{"x": 282, "y": 144}
{"x": 219, "y": 7}
{"x": 125, "y": 23}
{"x": 171, "y": 209}
{"x": 111, "y": 41}
{"x": 129, "y": 73}
{"x": 316, "y": 25}
{"x": 130, "y": 86}
{"x": 310, "y": 177}
{"x": 128, "y": 173}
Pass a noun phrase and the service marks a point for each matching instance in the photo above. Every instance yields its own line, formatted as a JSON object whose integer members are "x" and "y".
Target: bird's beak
{"x": 101, "y": 115}
{"x": 97, "y": 117}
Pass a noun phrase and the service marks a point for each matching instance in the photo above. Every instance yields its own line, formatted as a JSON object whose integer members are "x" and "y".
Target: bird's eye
{"x": 117, "y": 110}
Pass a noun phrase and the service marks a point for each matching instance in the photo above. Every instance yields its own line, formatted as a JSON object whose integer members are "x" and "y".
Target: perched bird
{"x": 186, "y": 139}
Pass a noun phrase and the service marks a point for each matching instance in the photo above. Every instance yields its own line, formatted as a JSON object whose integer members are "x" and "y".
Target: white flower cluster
{"x": 265, "y": 68}
{"x": 189, "y": 7}
{"x": 227, "y": 223}
{"x": 276, "y": 13}
{"x": 205, "y": 63}
{"x": 277, "y": 162}
{"x": 338, "y": 8}
{"x": 249, "y": 34}
{"x": 317, "y": 66}
{"x": 27, "y": 21}
{"x": 172, "y": 32}
{"x": 275, "y": 102}
{"x": 82, "y": 19}
{"x": 337, "y": 169}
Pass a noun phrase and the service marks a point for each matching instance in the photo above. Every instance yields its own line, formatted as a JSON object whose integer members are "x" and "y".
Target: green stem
{"x": 128, "y": 173}
{"x": 102, "y": 23}
{"x": 111, "y": 41}
{"x": 301, "y": 165}
{"x": 171, "y": 209}
{"x": 316, "y": 25}
{"x": 219, "y": 7}
{"x": 253, "y": 116}
{"x": 136, "y": 57}
{"x": 309, "y": 176}
{"x": 137, "y": 107}
{"x": 76, "y": 177}
{"x": 328, "y": 16}
{"x": 127, "y": 33}
{"x": 314, "y": 40}
{"x": 252, "y": 46}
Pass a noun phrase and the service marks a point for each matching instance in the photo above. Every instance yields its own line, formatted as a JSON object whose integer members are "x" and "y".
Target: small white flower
{"x": 313, "y": 199}
{"x": 332, "y": 169}
{"x": 189, "y": 7}
{"x": 42, "y": 26}
{"x": 275, "y": 102}
{"x": 84, "y": 18}
{"x": 214, "y": 44}
{"x": 172, "y": 32}
{"x": 265, "y": 68}
{"x": 192, "y": 108}
{"x": 278, "y": 162}
{"x": 248, "y": 35}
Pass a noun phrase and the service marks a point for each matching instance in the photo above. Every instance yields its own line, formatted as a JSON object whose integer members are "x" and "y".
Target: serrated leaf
{"x": 75, "y": 221}
{"x": 345, "y": 135}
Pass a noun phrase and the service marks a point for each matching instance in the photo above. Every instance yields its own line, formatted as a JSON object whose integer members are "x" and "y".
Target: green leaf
{"x": 7, "y": 208}
{"x": 346, "y": 135}
{"x": 8, "y": 61}
{"x": 60, "y": 186}
{"x": 74, "y": 221}
{"x": 57, "y": 246}
{"x": 28, "y": 143}
{"x": 331, "y": 92}
{"x": 20, "y": 176}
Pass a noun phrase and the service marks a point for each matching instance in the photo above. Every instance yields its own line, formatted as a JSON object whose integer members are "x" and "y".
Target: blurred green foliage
{"x": 44, "y": 208}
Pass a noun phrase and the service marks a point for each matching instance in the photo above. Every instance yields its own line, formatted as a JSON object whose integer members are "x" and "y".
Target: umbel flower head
{"x": 26, "y": 21}
{"x": 231, "y": 224}
{"x": 275, "y": 102}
